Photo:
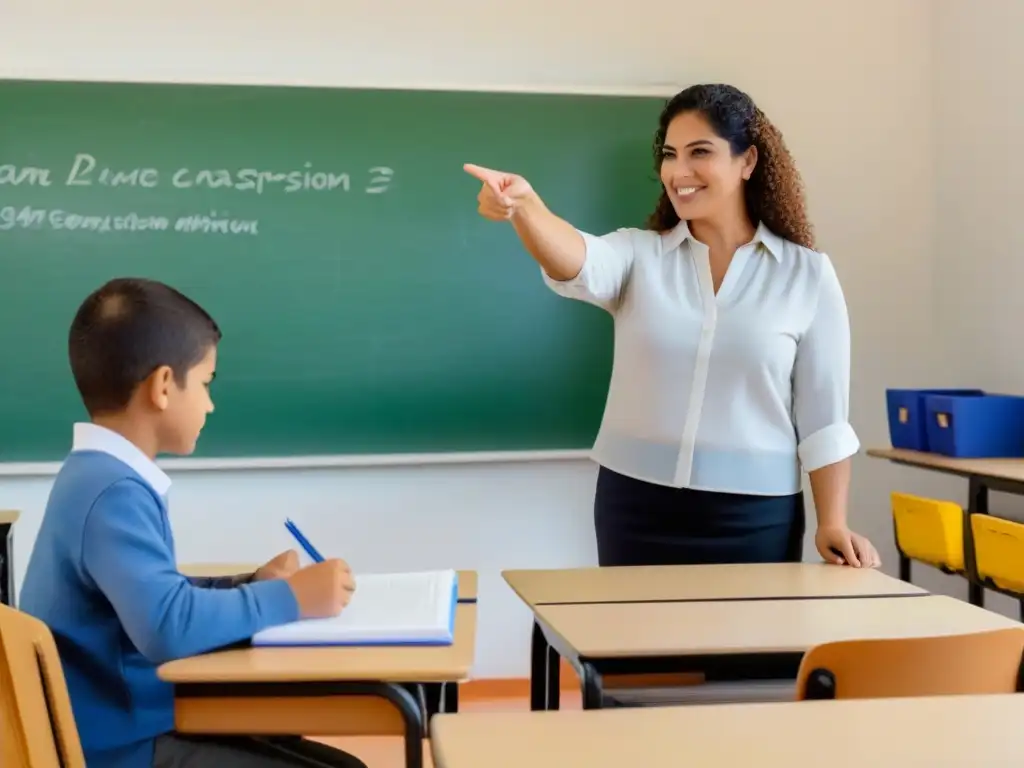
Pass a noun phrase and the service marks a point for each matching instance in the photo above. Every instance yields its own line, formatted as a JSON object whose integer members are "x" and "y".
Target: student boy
{"x": 103, "y": 573}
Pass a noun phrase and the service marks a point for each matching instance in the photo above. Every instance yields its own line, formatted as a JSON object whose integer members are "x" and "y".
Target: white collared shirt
{"x": 92, "y": 437}
{"x": 734, "y": 392}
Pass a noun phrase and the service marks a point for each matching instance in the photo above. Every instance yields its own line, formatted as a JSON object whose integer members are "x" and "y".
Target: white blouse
{"x": 734, "y": 392}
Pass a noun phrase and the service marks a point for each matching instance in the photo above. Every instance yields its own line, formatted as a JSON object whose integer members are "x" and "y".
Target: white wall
{"x": 849, "y": 83}
{"x": 979, "y": 174}
{"x": 978, "y": 82}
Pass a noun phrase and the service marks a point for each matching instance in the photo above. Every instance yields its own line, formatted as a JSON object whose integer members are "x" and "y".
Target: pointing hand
{"x": 500, "y": 194}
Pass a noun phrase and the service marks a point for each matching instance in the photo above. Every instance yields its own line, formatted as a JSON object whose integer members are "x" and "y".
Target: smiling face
{"x": 701, "y": 174}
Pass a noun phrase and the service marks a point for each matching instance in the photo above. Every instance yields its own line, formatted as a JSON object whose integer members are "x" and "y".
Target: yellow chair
{"x": 999, "y": 551}
{"x": 929, "y": 531}
{"x": 37, "y": 727}
{"x": 999, "y": 554}
{"x": 975, "y": 663}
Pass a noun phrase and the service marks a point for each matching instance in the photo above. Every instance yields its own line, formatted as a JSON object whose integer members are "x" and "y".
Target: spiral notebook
{"x": 415, "y": 608}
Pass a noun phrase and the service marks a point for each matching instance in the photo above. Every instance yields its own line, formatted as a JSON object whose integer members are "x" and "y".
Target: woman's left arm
{"x": 821, "y": 405}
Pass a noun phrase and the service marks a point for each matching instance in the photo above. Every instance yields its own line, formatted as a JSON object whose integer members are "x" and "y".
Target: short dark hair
{"x": 128, "y": 328}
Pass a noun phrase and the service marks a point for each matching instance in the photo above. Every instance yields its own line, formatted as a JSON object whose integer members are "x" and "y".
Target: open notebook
{"x": 387, "y": 609}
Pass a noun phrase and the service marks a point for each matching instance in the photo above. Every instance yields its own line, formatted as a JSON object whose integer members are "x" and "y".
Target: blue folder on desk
{"x": 416, "y": 608}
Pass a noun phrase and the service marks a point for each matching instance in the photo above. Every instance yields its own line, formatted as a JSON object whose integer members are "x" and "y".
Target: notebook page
{"x": 395, "y": 607}
{"x": 397, "y": 600}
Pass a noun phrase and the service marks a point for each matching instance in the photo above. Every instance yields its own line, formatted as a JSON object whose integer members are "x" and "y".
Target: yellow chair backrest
{"x": 999, "y": 551}
{"x": 929, "y": 530}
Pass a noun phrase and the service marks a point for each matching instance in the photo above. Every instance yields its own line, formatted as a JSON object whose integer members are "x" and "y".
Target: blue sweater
{"x": 103, "y": 576}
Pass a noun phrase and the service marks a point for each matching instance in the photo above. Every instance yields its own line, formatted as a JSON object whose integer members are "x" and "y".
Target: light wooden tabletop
{"x": 757, "y": 626}
{"x": 411, "y": 664}
{"x": 468, "y": 581}
{"x": 701, "y": 582}
{"x": 9, "y": 516}
{"x": 216, "y": 569}
{"x": 962, "y": 731}
{"x": 1003, "y": 469}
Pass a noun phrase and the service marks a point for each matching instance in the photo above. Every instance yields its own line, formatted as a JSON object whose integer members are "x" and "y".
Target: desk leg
{"x": 591, "y": 684}
{"x": 451, "y": 697}
{"x": 977, "y": 503}
{"x": 415, "y": 727}
{"x": 7, "y": 564}
{"x": 545, "y": 673}
{"x": 539, "y": 652}
{"x": 433, "y": 696}
{"x": 410, "y": 710}
{"x": 554, "y": 684}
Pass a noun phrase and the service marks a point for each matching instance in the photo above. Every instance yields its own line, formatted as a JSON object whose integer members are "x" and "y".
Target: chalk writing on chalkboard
{"x": 84, "y": 171}
{"x": 210, "y": 223}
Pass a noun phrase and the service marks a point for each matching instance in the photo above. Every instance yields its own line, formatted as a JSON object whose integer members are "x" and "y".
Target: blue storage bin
{"x": 985, "y": 426}
{"x": 907, "y": 417}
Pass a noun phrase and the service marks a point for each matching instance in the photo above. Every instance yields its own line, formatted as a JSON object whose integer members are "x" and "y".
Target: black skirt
{"x": 641, "y": 523}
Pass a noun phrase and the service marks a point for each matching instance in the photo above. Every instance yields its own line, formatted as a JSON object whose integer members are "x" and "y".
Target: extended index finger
{"x": 484, "y": 174}
{"x": 488, "y": 176}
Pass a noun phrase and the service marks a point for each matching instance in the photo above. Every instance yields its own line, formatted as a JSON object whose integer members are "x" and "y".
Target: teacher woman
{"x": 732, "y": 348}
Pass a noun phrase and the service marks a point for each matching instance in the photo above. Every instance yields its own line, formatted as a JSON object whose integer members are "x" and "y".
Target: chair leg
{"x": 904, "y": 568}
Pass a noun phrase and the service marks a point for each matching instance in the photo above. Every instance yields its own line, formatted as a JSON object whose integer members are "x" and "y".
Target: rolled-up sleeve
{"x": 821, "y": 379}
{"x": 606, "y": 268}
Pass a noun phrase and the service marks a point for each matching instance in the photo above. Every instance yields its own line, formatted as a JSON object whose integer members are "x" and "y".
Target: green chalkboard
{"x": 332, "y": 233}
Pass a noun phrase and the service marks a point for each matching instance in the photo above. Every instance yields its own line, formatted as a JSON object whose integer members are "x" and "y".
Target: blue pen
{"x": 303, "y": 541}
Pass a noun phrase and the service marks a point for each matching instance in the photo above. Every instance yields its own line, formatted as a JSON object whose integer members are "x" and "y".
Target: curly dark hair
{"x": 774, "y": 194}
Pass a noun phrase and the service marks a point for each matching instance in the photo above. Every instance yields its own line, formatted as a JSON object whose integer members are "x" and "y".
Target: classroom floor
{"x": 386, "y": 751}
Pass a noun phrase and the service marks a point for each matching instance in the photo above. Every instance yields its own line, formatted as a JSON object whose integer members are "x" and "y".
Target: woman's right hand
{"x": 501, "y": 193}
{"x": 554, "y": 244}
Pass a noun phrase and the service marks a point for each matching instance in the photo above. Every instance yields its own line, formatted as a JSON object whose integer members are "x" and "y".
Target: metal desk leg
{"x": 7, "y": 564}
{"x": 591, "y": 683}
{"x": 412, "y": 716}
{"x": 977, "y": 503}
{"x": 433, "y": 696}
{"x": 450, "y": 698}
{"x": 545, "y": 673}
{"x": 538, "y": 669}
{"x": 554, "y": 679}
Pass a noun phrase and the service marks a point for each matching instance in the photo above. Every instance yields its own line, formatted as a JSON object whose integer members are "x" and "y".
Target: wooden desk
{"x": 681, "y": 583}
{"x": 1005, "y": 475}
{"x": 676, "y": 583}
{"x": 317, "y": 691}
{"x": 468, "y": 580}
{"x": 948, "y": 731}
{"x": 8, "y": 517}
{"x": 440, "y": 697}
{"x": 203, "y": 570}
{"x": 738, "y": 640}
{"x": 998, "y": 471}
